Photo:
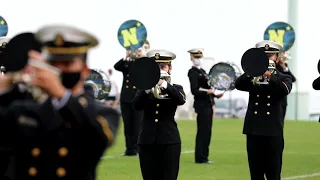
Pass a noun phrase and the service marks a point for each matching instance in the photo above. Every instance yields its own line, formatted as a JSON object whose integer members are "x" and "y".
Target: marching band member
{"x": 65, "y": 136}
{"x": 264, "y": 119}
{"x": 131, "y": 117}
{"x": 203, "y": 105}
{"x": 282, "y": 67}
{"x": 159, "y": 139}
{"x": 10, "y": 93}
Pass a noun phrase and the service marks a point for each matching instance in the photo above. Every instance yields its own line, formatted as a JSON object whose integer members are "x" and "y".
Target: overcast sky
{"x": 225, "y": 29}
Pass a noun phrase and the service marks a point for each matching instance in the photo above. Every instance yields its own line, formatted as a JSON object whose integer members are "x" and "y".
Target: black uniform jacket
{"x": 264, "y": 114}
{"x": 52, "y": 144}
{"x": 199, "y": 79}
{"x": 289, "y": 73}
{"x": 158, "y": 125}
{"x": 128, "y": 90}
{"x": 5, "y": 101}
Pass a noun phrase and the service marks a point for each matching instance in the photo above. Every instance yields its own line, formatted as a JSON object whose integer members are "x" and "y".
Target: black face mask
{"x": 69, "y": 80}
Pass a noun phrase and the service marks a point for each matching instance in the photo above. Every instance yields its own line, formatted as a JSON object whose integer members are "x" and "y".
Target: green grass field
{"x": 228, "y": 152}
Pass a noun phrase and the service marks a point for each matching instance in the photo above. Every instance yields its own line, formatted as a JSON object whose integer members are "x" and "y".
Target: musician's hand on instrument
{"x": 6, "y": 81}
{"x": 267, "y": 73}
{"x": 219, "y": 95}
{"x": 49, "y": 82}
{"x": 211, "y": 91}
{"x": 160, "y": 82}
{"x": 283, "y": 65}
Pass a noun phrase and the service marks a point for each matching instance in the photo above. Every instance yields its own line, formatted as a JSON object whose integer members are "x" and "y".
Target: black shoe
{"x": 129, "y": 154}
{"x": 205, "y": 162}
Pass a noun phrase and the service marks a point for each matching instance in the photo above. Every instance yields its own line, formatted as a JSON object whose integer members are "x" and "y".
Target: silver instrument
{"x": 100, "y": 83}
{"x": 2, "y": 70}
{"x": 260, "y": 80}
{"x": 157, "y": 92}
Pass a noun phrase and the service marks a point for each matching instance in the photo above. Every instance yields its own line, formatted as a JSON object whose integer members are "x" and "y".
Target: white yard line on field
{"x": 302, "y": 176}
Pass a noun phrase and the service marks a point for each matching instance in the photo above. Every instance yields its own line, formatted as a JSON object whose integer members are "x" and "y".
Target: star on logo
{"x": 157, "y": 55}
{"x": 288, "y": 28}
{"x": 138, "y": 24}
{"x": 2, "y": 22}
{"x": 266, "y": 46}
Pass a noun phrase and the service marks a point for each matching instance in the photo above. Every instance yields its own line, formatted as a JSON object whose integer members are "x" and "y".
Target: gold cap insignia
{"x": 59, "y": 40}
{"x": 157, "y": 55}
{"x": 3, "y": 44}
{"x": 266, "y": 46}
{"x": 199, "y": 52}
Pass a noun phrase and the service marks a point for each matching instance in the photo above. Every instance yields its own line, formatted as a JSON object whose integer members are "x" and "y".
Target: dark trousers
{"x": 204, "y": 129}
{"x": 265, "y": 156}
{"x": 284, "y": 110}
{"x": 159, "y": 162}
{"x": 131, "y": 120}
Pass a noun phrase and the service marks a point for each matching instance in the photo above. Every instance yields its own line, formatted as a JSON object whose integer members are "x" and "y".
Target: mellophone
{"x": 255, "y": 63}
{"x": 15, "y": 58}
{"x": 145, "y": 74}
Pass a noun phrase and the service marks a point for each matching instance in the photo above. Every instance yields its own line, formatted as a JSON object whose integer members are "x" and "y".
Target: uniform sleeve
{"x": 243, "y": 83}
{"x": 194, "y": 84}
{"x": 283, "y": 83}
{"x": 109, "y": 120}
{"x": 176, "y": 92}
{"x": 316, "y": 84}
{"x": 139, "y": 100}
{"x": 119, "y": 66}
{"x": 12, "y": 94}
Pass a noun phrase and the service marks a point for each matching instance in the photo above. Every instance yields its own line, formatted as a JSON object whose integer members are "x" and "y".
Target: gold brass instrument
{"x": 26, "y": 79}
{"x": 264, "y": 80}
{"x": 156, "y": 90}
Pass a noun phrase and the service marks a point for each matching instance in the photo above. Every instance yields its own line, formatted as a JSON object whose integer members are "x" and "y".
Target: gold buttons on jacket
{"x": 63, "y": 152}
{"x": 156, "y": 120}
{"x": 157, "y": 112}
{"x": 61, "y": 172}
{"x": 158, "y": 105}
{"x": 268, "y": 113}
{"x": 256, "y": 104}
{"x": 127, "y": 80}
{"x": 255, "y": 112}
{"x": 268, "y": 104}
{"x": 35, "y": 152}
{"x": 32, "y": 171}
{"x": 127, "y": 86}
{"x": 134, "y": 87}
{"x": 268, "y": 96}
{"x": 83, "y": 101}
{"x": 257, "y": 95}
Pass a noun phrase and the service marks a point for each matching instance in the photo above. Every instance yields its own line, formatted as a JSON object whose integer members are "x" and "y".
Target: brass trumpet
{"x": 157, "y": 91}
{"x": 264, "y": 80}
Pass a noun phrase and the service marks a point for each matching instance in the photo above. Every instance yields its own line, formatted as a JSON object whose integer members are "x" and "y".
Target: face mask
{"x": 69, "y": 80}
{"x": 197, "y": 62}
